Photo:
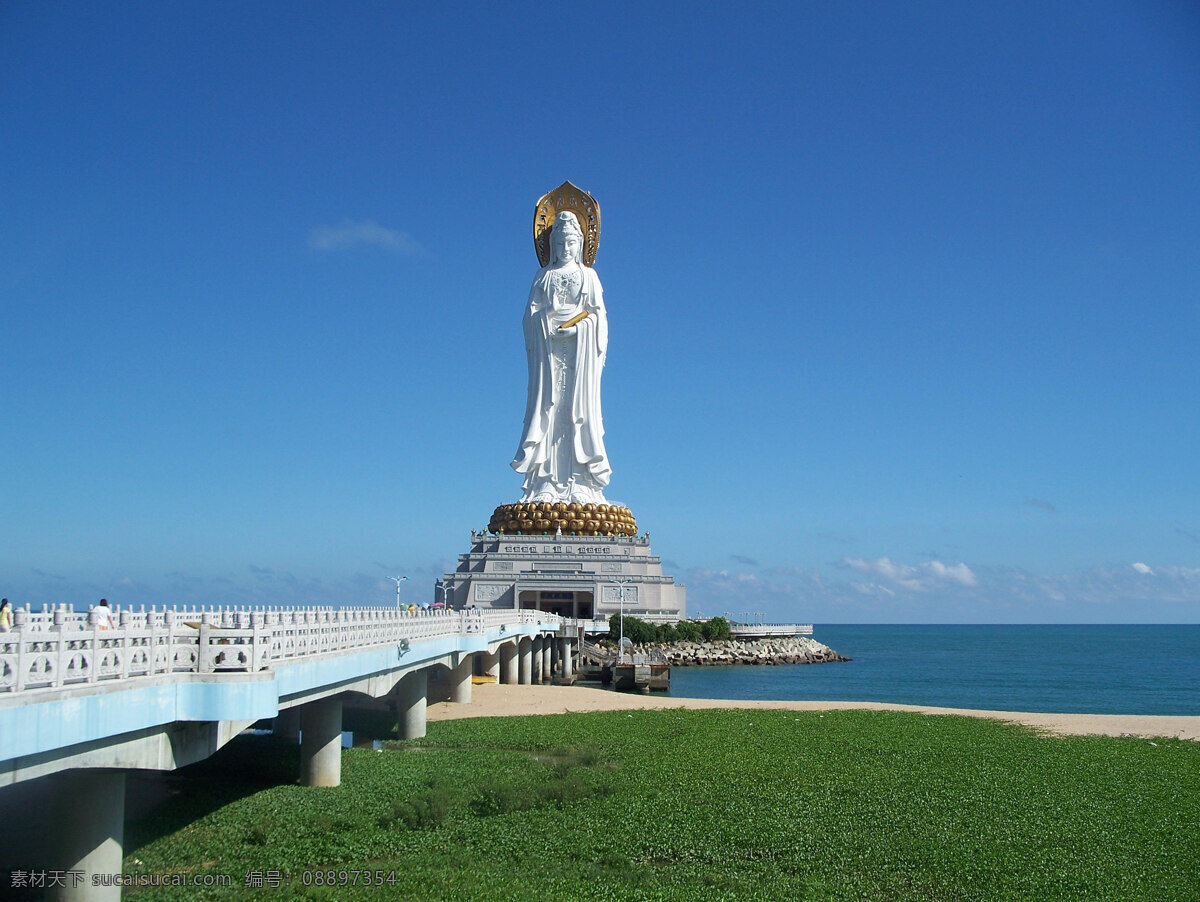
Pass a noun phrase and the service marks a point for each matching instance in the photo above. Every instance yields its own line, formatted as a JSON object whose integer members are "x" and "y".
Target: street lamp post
{"x": 621, "y": 640}
{"x": 397, "y": 580}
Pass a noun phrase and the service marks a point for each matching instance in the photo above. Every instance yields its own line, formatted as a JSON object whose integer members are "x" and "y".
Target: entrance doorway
{"x": 564, "y": 603}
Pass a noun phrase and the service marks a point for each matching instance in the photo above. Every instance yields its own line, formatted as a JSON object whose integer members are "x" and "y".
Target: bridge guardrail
{"x": 58, "y": 648}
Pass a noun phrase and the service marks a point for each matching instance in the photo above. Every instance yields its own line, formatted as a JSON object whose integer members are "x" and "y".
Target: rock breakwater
{"x": 792, "y": 650}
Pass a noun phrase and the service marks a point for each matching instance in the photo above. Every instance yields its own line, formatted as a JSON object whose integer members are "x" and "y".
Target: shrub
{"x": 499, "y": 798}
{"x": 424, "y": 812}
{"x": 567, "y": 788}
{"x": 689, "y": 631}
{"x": 565, "y": 758}
{"x": 639, "y": 632}
{"x": 716, "y": 628}
{"x": 259, "y": 834}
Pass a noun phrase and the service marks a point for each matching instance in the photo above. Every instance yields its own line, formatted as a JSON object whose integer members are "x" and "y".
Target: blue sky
{"x": 904, "y": 298}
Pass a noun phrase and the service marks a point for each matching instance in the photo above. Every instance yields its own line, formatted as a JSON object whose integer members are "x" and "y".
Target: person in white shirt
{"x": 103, "y": 615}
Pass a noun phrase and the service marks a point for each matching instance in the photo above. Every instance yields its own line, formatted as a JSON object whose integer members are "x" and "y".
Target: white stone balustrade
{"x": 767, "y": 630}
{"x": 59, "y": 647}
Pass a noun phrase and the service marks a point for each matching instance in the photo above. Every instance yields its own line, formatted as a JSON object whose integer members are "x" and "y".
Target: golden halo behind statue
{"x": 574, "y": 200}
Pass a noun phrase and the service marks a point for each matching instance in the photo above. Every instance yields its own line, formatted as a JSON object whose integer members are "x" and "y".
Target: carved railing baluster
{"x": 63, "y": 659}
{"x": 20, "y": 619}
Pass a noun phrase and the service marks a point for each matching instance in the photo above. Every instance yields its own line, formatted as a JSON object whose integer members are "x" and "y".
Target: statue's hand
{"x": 565, "y": 330}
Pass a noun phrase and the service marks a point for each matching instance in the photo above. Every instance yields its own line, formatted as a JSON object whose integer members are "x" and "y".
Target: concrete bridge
{"x": 160, "y": 689}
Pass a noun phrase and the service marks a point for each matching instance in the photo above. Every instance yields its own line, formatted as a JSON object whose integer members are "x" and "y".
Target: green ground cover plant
{"x": 702, "y": 805}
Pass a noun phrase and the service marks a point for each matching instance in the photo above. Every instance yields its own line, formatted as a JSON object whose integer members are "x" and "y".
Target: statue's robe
{"x": 563, "y": 435}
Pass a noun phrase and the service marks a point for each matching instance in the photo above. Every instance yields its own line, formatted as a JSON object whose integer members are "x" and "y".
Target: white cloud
{"x": 872, "y": 589}
{"x": 783, "y": 594}
{"x": 918, "y": 577}
{"x": 959, "y": 573}
{"x": 885, "y": 567}
{"x": 884, "y": 590}
{"x": 1123, "y": 589}
{"x": 863, "y": 591}
{"x": 351, "y": 234}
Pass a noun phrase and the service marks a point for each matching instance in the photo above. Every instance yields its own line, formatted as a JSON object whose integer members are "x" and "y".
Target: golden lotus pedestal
{"x": 545, "y": 518}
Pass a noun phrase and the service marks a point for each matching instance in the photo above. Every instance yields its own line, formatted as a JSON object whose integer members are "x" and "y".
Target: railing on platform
{"x": 650, "y": 656}
{"x": 769, "y": 630}
{"x": 59, "y": 647}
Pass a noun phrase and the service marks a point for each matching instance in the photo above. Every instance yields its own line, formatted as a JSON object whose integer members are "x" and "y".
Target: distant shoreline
{"x": 498, "y": 700}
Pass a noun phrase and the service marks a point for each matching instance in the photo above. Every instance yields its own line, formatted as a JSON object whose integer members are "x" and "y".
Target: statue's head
{"x": 566, "y": 242}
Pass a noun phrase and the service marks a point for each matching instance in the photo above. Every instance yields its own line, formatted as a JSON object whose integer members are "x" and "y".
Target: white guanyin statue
{"x": 562, "y": 452}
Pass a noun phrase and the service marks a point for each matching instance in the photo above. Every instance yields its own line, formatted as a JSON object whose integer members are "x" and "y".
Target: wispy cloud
{"x": 836, "y": 537}
{"x": 431, "y": 570}
{"x": 368, "y": 232}
{"x": 885, "y": 590}
{"x": 742, "y": 559}
{"x": 917, "y": 577}
{"x": 1042, "y": 505}
{"x": 959, "y": 573}
{"x": 872, "y": 590}
{"x": 880, "y": 590}
{"x": 1123, "y": 589}
{"x": 125, "y": 588}
{"x": 1188, "y": 535}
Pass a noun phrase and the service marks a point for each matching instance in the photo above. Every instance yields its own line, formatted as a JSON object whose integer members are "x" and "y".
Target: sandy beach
{"x": 495, "y": 700}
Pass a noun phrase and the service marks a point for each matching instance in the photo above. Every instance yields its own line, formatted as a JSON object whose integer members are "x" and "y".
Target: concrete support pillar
{"x": 525, "y": 655}
{"x": 535, "y": 664}
{"x": 287, "y": 724}
{"x": 321, "y": 742}
{"x": 410, "y": 705}
{"x": 508, "y": 663}
{"x": 460, "y": 681}
{"x": 564, "y": 650}
{"x": 88, "y": 817}
{"x": 547, "y": 644}
{"x": 491, "y": 664}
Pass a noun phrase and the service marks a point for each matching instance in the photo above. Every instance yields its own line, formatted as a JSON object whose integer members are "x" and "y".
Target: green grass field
{"x": 698, "y": 805}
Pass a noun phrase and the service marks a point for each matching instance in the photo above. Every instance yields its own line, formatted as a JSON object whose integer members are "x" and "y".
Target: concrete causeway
{"x": 80, "y": 705}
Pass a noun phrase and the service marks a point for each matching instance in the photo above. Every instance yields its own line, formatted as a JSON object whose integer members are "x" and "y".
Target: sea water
{"x": 1061, "y": 669}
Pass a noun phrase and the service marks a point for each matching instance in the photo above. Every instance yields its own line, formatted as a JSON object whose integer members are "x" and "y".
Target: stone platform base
{"x": 585, "y": 577}
{"x": 543, "y": 518}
